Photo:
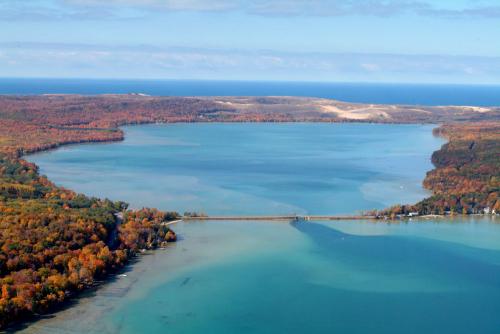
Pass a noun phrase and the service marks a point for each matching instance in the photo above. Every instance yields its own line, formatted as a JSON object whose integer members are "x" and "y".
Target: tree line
{"x": 466, "y": 177}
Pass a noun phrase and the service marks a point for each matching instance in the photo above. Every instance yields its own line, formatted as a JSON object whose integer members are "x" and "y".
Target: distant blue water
{"x": 480, "y": 95}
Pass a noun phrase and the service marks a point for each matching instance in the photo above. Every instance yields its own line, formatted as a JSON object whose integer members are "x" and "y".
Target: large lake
{"x": 432, "y": 276}
{"x": 422, "y": 94}
{"x": 252, "y": 168}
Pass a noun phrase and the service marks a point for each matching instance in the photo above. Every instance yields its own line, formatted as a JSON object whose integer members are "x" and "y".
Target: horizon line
{"x": 417, "y": 83}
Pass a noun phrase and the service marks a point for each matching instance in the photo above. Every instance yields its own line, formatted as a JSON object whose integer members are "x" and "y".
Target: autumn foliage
{"x": 32, "y": 123}
{"x": 466, "y": 179}
{"x": 54, "y": 243}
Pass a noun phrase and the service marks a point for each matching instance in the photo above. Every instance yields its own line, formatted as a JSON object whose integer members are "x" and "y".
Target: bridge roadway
{"x": 270, "y": 218}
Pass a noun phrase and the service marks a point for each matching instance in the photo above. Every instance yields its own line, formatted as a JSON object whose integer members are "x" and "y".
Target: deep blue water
{"x": 480, "y": 95}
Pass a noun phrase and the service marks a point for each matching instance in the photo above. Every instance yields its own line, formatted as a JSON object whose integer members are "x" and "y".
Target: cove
{"x": 432, "y": 276}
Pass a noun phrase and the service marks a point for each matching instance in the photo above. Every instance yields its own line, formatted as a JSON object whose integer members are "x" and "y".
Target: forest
{"x": 466, "y": 177}
{"x": 55, "y": 243}
{"x": 47, "y": 121}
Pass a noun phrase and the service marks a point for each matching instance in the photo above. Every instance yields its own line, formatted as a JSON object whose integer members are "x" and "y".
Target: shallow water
{"x": 423, "y": 276}
{"x": 263, "y": 277}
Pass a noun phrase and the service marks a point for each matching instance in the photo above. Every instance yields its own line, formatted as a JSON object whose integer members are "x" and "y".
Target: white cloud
{"x": 188, "y": 5}
{"x": 73, "y": 60}
{"x": 99, "y": 9}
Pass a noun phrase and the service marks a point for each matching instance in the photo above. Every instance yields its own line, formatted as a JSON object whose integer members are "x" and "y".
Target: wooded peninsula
{"x": 55, "y": 243}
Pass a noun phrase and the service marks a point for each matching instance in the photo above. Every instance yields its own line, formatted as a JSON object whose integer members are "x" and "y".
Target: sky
{"x": 410, "y": 41}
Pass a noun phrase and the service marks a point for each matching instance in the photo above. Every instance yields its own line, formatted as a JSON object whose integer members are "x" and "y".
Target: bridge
{"x": 269, "y": 218}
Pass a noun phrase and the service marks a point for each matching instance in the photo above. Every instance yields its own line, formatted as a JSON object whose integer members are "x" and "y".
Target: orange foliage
{"x": 466, "y": 179}
{"x": 54, "y": 242}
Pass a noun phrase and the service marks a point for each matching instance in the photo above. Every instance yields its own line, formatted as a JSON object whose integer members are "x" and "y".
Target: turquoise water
{"x": 252, "y": 168}
{"x": 423, "y": 276}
